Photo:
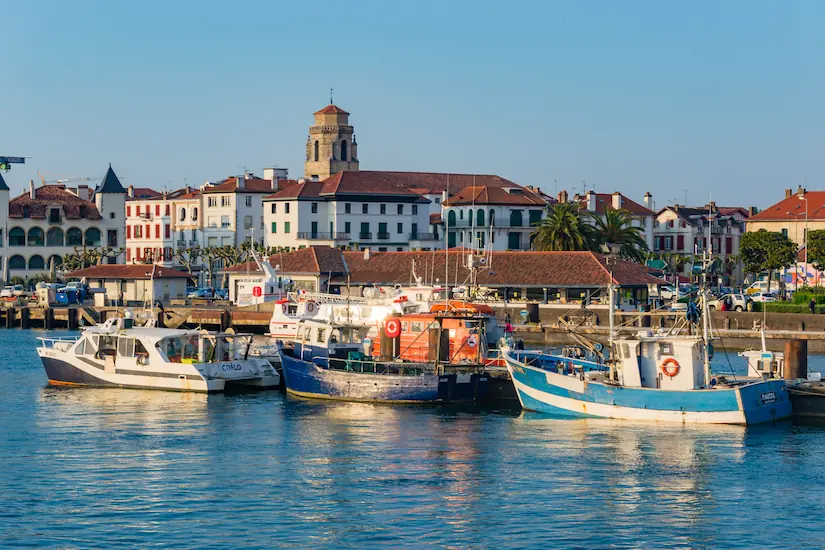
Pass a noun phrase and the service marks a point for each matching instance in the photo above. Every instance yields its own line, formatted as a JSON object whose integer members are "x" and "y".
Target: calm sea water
{"x": 82, "y": 468}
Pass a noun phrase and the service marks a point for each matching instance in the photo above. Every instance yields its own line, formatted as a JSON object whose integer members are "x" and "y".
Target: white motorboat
{"x": 118, "y": 354}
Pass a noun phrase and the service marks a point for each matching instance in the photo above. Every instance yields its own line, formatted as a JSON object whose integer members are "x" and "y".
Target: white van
{"x": 762, "y": 286}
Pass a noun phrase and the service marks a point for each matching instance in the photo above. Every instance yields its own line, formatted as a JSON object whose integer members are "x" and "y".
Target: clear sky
{"x": 716, "y": 97}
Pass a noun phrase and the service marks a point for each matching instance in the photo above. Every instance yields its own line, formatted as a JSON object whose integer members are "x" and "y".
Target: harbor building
{"x": 641, "y": 216}
{"x": 682, "y": 233}
{"x": 135, "y": 283}
{"x": 49, "y": 221}
{"x": 796, "y": 214}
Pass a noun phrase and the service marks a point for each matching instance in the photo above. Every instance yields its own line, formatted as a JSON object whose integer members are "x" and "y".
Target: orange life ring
{"x": 392, "y": 327}
{"x": 670, "y": 367}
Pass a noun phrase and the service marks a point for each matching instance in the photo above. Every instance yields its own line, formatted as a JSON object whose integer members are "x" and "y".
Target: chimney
{"x": 801, "y": 191}
{"x": 616, "y": 200}
{"x": 444, "y": 197}
{"x": 649, "y": 201}
{"x": 84, "y": 192}
{"x": 31, "y": 190}
{"x": 131, "y": 192}
{"x": 188, "y": 189}
{"x": 788, "y": 193}
{"x": 562, "y": 198}
{"x": 591, "y": 201}
{"x": 366, "y": 253}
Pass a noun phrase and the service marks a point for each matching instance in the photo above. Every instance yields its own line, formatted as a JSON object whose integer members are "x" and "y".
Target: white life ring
{"x": 310, "y": 307}
{"x": 472, "y": 340}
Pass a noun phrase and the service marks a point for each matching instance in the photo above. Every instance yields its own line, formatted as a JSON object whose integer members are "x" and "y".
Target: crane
{"x": 62, "y": 180}
{"x": 6, "y": 162}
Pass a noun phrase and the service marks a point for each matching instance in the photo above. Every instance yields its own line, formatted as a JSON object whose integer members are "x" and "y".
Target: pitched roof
{"x": 137, "y": 271}
{"x": 543, "y": 269}
{"x": 74, "y": 208}
{"x": 815, "y": 208}
{"x": 313, "y": 260}
{"x": 489, "y": 194}
{"x": 348, "y": 183}
{"x": 248, "y": 185}
{"x": 110, "y": 183}
{"x": 433, "y": 182}
{"x": 604, "y": 201}
{"x": 331, "y": 110}
{"x": 3, "y": 186}
{"x": 141, "y": 193}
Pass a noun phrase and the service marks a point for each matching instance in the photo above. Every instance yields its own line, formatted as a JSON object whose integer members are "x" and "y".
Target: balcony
{"x": 365, "y": 236}
{"x": 423, "y": 237}
{"x": 146, "y": 215}
{"x": 383, "y": 236}
{"x": 318, "y": 236}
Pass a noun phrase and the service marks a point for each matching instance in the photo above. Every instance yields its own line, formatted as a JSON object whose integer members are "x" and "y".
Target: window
{"x": 182, "y": 216}
{"x": 347, "y": 208}
{"x": 74, "y": 237}
{"x": 414, "y": 231}
{"x": 344, "y": 149}
{"x": 682, "y": 224}
{"x": 451, "y": 218}
{"x": 166, "y": 231}
{"x": 286, "y": 208}
{"x": 137, "y": 210}
{"x": 670, "y": 223}
{"x": 126, "y": 347}
{"x": 400, "y": 209}
{"x": 213, "y": 241}
{"x": 128, "y": 211}
{"x": 17, "y": 262}
{"x": 314, "y": 208}
{"x": 248, "y": 200}
{"x": 157, "y": 231}
{"x": 157, "y": 210}
{"x": 415, "y": 209}
{"x": 54, "y": 237}
{"x": 492, "y": 217}
{"x": 35, "y": 237}
{"x": 535, "y": 217}
{"x": 213, "y": 221}
{"x": 438, "y": 200}
{"x": 111, "y": 237}
{"x": 680, "y": 242}
{"x": 213, "y": 201}
{"x": 461, "y": 214}
{"x": 480, "y": 217}
{"x": 365, "y": 230}
{"x": 515, "y": 219}
{"x": 54, "y": 215}
{"x": 226, "y": 201}
{"x": 166, "y": 210}
{"x": 247, "y": 222}
{"x": 416, "y": 326}
{"x": 321, "y": 335}
{"x": 728, "y": 245}
{"x": 365, "y": 208}
{"x": 784, "y": 231}
{"x": 37, "y": 262}
{"x": 286, "y": 227}
{"x": 314, "y": 230}
{"x": 111, "y": 215}
{"x": 316, "y": 150}
{"x": 195, "y": 214}
{"x": 399, "y": 249}
{"x": 347, "y": 227}
{"x": 382, "y": 249}
{"x": 382, "y": 231}
{"x": 400, "y": 228}
{"x": 274, "y": 227}
{"x": 225, "y": 222}
{"x": 273, "y": 208}
{"x": 383, "y": 209}
{"x": 226, "y": 241}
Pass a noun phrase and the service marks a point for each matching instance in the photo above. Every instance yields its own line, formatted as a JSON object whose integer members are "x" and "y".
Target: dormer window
{"x": 27, "y": 212}
{"x": 54, "y": 214}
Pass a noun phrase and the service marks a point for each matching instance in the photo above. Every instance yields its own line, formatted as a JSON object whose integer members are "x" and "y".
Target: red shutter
{"x": 128, "y": 255}
{"x": 128, "y": 211}
{"x": 167, "y": 209}
{"x": 128, "y": 231}
{"x": 166, "y": 231}
{"x": 148, "y": 232}
{"x": 680, "y": 242}
{"x": 137, "y": 210}
{"x": 157, "y": 231}
{"x": 157, "y": 210}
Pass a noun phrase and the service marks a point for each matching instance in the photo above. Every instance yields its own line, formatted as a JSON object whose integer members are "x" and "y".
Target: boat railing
{"x": 377, "y": 367}
{"x": 60, "y": 344}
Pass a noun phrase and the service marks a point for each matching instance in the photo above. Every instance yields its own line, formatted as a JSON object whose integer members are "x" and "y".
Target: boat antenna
{"x": 447, "y": 250}
{"x": 706, "y": 259}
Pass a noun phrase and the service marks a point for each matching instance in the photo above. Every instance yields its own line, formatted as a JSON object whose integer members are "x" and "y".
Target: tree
{"x": 766, "y": 251}
{"x": 616, "y": 227}
{"x": 816, "y": 248}
{"x": 564, "y": 228}
{"x": 188, "y": 257}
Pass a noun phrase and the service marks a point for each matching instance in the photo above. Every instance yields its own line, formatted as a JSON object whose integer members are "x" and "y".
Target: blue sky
{"x": 721, "y": 98}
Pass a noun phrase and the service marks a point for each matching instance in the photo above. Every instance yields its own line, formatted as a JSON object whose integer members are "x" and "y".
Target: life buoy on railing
{"x": 310, "y": 307}
{"x": 670, "y": 367}
{"x": 472, "y": 340}
{"x": 392, "y": 328}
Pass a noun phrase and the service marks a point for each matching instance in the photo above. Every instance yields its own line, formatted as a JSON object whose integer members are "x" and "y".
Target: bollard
{"x": 71, "y": 313}
{"x": 10, "y": 315}
{"x": 226, "y": 320}
{"x": 24, "y": 317}
{"x": 48, "y": 318}
{"x": 796, "y": 359}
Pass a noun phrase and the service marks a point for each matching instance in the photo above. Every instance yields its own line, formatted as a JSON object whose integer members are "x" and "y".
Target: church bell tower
{"x": 331, "y": 146}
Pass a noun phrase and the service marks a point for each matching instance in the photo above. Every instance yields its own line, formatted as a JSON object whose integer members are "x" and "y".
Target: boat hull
{"x": 306, "y": 379}
{"x": 544, "y": 391}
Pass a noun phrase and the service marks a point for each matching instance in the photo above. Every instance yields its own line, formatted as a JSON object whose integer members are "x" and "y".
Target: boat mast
{"x": 706, "y": 257}
{"x": 611, "y": 252}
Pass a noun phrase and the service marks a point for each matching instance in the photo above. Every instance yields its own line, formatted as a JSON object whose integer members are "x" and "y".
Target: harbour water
{"x": 118, "y": 468}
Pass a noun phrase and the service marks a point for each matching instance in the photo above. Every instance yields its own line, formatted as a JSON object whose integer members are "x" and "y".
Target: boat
{"x": 662, "y": 376}
{"x": 334, "y": 360}
{"x": 119, "y": 354}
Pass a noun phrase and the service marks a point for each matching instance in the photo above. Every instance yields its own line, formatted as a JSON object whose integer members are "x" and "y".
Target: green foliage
{"x": 564, "y": 228}
{"x": 766, "y": 251}
{"x": 785, "y": 307}
{"x": 804, "y": 297}
{"x": 616, "y": 227}
{"x": 816, "y": 248}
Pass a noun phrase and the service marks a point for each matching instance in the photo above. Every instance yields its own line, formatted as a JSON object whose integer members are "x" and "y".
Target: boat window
{"x": 665, "y": 348}
{"x": 350, "y": 336}
{"x": 307, "y": 332}
{"x": 292, "y": 309}
{"x": 108, "y": 344}
{"x": 404, "y": 326}
{"x": 91, "y": 346}
{"x": 321, "y": 336}
{"x": 182, "y": 349}
{"x": 140, "y": 349}
{"x": 334, "y": 336}
{"x": 81, "y": 347}
{"x": 126, "y": 347}
{"x": 416, "y": 326}
{"x": 626, "y": 351}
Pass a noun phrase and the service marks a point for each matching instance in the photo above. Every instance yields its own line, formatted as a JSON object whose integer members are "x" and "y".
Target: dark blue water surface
{"x": 83, "y": 468}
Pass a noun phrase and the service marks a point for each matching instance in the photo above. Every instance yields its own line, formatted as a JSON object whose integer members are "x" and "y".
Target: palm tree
{"x": 563, "y": 228}
{"x": 616, "y": 227}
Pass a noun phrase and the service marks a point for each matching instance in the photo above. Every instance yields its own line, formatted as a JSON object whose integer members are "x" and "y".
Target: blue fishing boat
{"x": 664, "y": 376}
{"x": 331, "y": 360}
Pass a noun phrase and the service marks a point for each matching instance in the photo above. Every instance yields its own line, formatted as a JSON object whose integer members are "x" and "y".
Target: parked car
{"x": 8, "y": 291}
{"x": 201, "y": 293}
{"x": 81, "y": 289}
{"x": 762, "y": 286}
{"x": 667, "y": 293}
{"x": 739, "y": 302}
{"x": 763, "y": 297}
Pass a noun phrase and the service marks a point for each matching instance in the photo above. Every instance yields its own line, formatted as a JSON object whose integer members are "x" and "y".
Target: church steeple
{"x": 331, "y": 146}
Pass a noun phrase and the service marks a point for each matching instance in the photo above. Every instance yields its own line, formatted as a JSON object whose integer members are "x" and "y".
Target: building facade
{"x": 641, "y": 216}
{"x": 331, "y": 146}
{"x": 796, "y": 214}
{"x": 47, "y": 222}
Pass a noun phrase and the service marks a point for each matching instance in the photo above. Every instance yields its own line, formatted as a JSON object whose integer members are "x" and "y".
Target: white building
{"x": 136, "y": 283}
{"x": 49, "y": 221}
{"x": 233, "y": 209}
{"x": 642, "y": 216}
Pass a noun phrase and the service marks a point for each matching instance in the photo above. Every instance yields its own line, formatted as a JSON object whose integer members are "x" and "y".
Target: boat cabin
{"x": 430, "y": 336}
{"x": 668, "y": 363}
{"x": 319, "y": 340}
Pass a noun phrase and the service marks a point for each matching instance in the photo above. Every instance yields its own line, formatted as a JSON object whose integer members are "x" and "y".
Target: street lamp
{"x": 796, "y": 235}
{"x": 802, "y": 197}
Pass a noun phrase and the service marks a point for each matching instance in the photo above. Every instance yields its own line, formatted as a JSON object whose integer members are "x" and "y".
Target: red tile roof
{"x": 248, "y": 185}
{"x": 313, "y": 259}
{"x": 604, "y": 201}
{"x": 496, "y": 195}
{"x": 74, "y": 207}
{"x": 137, "y": 271}
{"x": 796, "y": 206}
{"x": 543, "y": 269}
{"x": 347, "y": 183}
{"x": 435, "y": 218}
{"x": 142, "y": 193}
{"x": 331, "y": 110}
